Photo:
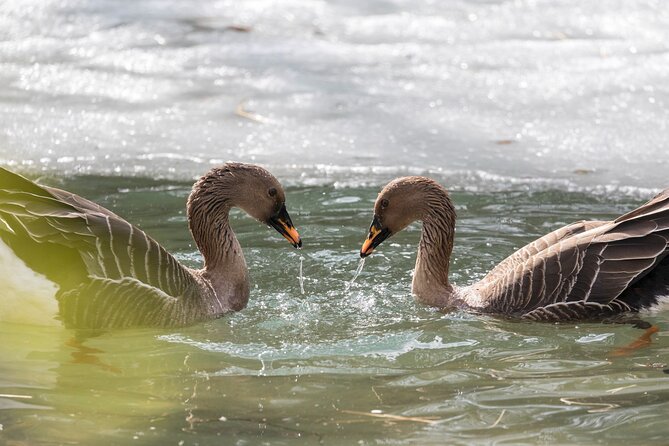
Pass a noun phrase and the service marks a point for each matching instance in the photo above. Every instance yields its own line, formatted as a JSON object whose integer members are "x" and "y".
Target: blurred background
{"x": 339, "y": 91}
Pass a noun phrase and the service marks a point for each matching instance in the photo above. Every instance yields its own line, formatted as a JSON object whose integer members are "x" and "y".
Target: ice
{"x": 560, "y": 91}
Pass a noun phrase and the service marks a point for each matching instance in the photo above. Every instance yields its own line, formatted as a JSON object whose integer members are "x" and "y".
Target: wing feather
{"x": 581, "y": 270}
{"x": 108, "y": 245}
{"x": 109, "y": 303}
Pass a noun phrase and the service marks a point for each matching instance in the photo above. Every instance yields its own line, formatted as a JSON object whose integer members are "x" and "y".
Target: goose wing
{"x": 581, "y": 270}
{"x": 521, "y": 256}
{"x": 107, "y": 246}
{"x": 120, "y": 303}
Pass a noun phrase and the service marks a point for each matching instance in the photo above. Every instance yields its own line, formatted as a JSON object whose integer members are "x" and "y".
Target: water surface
{"x": 332, "y": 366}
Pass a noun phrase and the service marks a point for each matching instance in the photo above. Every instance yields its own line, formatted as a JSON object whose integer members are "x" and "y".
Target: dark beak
{"x": 377, "y": 234}
{"x": 282, "y": 223}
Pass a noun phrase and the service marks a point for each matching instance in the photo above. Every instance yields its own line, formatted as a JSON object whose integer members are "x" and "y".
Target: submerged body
{"x": 108, "y": 273}
{"x": 587, "y": 270}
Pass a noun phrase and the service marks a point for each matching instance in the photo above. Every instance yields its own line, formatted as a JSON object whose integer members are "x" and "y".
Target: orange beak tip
{"x": 366, "y": 248}
{"x": 293, "y": 237}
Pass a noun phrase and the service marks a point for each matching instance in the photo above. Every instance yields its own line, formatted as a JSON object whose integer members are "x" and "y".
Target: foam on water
{"x": 389, "y": 347}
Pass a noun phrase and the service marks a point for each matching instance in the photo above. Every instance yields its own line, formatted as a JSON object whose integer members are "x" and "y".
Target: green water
{"x": 365, "y": 366}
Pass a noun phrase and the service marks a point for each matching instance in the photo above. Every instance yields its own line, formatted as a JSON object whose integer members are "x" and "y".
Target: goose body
{"x": 106, "y": 273}
{"x": 586, "y": 270}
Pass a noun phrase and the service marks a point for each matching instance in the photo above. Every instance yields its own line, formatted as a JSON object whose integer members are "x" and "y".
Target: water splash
{"x": 357, "y": 273}
{"x": 301, "y": 278}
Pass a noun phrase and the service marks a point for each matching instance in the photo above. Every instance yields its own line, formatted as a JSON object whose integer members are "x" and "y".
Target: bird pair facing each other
{"x": 108, "y": 273}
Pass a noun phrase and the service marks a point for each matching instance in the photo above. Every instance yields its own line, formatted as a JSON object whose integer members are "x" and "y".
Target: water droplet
{"x": 301, "y": 278}
{"x": 357, "y": 273}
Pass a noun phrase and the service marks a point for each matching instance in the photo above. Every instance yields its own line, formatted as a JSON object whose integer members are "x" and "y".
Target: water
{"x": 324, "y": 366}
{"x": 356, "y": 274}
{"x": 533, "y": 113}
{"x": 301, "y": 276}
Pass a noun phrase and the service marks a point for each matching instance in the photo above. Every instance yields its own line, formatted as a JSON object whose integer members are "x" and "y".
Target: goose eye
{"x": 384, "y": 203}
{"x": 271, "y": 192}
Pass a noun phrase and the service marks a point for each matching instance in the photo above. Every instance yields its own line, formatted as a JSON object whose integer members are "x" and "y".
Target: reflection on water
{"x": 330, "y": 366}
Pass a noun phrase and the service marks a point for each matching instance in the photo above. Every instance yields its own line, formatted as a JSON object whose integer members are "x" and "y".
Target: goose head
{"x": 248, "y": 187}
{"x": 400, "y": 203}
{"x": 264, "y": 199}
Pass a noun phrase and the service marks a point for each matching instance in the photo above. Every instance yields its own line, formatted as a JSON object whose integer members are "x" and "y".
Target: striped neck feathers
{"x": 208, "y": 210}
{"x": 430, "y": 283}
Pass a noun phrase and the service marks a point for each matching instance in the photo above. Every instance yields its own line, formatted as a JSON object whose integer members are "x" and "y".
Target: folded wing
{"x": 582, "y": 270}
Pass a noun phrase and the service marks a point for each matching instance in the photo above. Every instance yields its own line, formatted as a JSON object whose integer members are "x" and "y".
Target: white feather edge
{"x": 661, "y": 305}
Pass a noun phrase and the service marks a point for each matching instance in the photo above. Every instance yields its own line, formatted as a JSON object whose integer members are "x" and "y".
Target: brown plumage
{"x": 587, "y": 270}
{"x": 110, "y": 273}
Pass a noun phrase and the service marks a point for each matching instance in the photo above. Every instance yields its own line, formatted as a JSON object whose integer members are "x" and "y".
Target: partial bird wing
{"x": 120, "y": 303}
{"x": 520, "y": 257}
{"x": 581, "y": 270}
{"x": 108, "y": 246}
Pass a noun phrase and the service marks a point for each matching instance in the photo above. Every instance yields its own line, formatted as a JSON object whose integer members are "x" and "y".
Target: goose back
{"x": 584, "y": 270}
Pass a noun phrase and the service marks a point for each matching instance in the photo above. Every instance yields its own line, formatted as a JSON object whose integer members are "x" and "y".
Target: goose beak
{"x": 283, "y": 224}
{"x": 377, "y": 234}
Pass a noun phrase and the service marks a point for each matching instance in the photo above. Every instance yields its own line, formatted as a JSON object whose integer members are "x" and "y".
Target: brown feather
{"x": 112, "y": 274}
{"x": 582, "y": 270}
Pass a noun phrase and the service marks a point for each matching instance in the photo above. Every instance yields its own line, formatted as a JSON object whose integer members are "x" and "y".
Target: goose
{"x": 110, "y": 274}
{"x": 586, "y": 270}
